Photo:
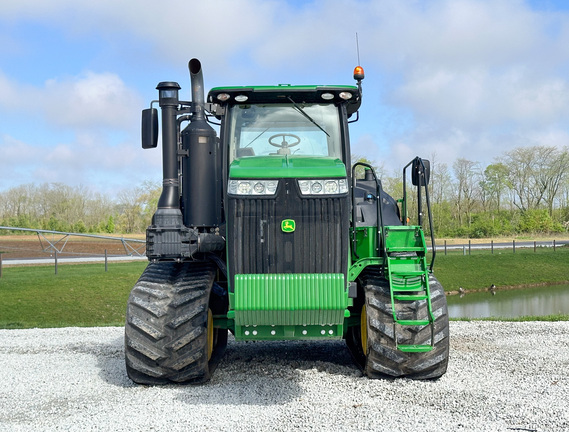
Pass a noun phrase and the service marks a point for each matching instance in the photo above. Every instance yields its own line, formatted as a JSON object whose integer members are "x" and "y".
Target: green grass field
{"x": 79, "y": 295}
{"x": 503, "y": 268}
{"x": 86, "y": 295}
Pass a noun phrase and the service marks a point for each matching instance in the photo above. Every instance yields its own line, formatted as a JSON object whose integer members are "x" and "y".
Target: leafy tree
{"x": 110, "y": 226}
{"x": 79, "y": 227}
{"x": 538, "y": 221}
{"x": 495, "y": 183}
{"x": 360, "y": 170}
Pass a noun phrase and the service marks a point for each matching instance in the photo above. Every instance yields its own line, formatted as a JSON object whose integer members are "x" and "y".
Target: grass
{"x": 85, "y": 295}
{"x": 503, "y": 268}
{"x": 79, "y": 295}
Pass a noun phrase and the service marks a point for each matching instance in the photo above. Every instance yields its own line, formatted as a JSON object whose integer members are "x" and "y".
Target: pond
{"x": 536, "y": 301}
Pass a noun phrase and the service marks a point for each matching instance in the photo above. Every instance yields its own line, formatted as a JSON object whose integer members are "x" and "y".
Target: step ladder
{"x": 408, "y": 275}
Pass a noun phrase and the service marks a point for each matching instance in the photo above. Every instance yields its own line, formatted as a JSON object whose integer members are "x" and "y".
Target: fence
{"x": 57, "y": 248}
{"x": 492, "y": 246}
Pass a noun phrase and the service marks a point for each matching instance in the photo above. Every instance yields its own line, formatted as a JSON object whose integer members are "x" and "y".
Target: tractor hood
{"x": 287, "y": 167}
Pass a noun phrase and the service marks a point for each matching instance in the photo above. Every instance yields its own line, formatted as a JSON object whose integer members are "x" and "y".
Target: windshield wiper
{"x": 254, "y": 139}
{"x": 300, "y": 110}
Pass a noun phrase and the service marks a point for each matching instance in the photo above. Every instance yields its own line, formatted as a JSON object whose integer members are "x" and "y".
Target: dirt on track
{"x": 32, "y": 246}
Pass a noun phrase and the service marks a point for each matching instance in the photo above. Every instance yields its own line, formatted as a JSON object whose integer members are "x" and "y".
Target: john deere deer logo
{"x": 288, "y": 225}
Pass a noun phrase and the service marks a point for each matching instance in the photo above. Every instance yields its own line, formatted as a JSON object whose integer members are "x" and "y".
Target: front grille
{"x": 257, "y": 245}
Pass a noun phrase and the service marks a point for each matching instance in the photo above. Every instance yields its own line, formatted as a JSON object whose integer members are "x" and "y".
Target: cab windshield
{"x": 284, "y": 129}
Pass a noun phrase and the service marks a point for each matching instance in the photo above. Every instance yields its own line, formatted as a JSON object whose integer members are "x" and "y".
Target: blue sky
{"x": 457, "y": 78}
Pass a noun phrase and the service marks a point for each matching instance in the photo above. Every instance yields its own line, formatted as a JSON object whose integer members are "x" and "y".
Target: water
{"x": 538, "y": 301}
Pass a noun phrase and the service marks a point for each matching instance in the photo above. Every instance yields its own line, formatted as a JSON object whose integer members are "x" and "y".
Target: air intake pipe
{"x": 168, "y": 100}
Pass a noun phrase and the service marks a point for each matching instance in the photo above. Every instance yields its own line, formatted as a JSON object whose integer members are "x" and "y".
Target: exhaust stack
{"x": 201, "y": 169}
{"x": 196, "y": 79}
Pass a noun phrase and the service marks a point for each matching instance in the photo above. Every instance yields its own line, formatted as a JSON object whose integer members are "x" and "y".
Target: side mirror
{"x": 421, "y": 168}
{"x": 149, "y": 128}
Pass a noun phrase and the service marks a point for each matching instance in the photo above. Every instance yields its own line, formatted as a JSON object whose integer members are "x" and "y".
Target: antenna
{"x": 358, "y": 48}
{"x": 358, "y": 71}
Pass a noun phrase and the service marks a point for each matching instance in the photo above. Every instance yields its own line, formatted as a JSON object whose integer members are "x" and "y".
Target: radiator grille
{"x": 257, "y": 244}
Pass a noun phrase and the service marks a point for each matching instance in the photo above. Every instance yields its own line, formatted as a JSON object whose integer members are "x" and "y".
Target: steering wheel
{"x": 284, "y": 144}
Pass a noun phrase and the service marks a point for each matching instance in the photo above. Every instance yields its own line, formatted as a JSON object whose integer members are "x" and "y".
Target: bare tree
{"x": 467, "y": 174}
{"x": 554, "y": 176}
{"x": 536, "y": 174}
{"x": 440, "y": 187}
{"x": 130, "y": 209}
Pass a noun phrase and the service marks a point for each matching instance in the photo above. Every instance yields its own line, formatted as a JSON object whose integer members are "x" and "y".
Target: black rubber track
{"x": 383, "y": 359}
{"x": 166, "y": 325}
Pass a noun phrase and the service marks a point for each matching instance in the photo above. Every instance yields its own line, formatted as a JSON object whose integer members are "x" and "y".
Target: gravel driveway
{"x": 501, "y": 377}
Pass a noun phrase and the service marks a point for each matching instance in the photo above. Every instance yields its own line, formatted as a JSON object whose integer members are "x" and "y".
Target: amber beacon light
{"x": 359, "y": 73}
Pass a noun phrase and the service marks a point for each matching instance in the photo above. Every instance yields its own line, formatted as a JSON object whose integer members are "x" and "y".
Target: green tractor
{"x": 266, "y": 232}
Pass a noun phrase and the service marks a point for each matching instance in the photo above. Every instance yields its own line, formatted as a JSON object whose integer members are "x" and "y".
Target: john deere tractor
{"x": 268, "y": 233}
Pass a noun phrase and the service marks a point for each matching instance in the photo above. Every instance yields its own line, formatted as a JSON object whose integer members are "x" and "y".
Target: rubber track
{"x": 165, "y": 331}
{"x": 383, "y": 358}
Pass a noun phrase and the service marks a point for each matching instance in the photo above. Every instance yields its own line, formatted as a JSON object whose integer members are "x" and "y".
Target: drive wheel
{"x": 373, "y": 345}
{"x": 169, "y": 333}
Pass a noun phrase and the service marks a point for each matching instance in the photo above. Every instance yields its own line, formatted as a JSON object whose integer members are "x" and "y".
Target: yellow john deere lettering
{"x": 288, "y": 225}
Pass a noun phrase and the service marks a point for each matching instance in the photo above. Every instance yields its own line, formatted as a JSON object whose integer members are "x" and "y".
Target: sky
{"x": 451, "y": 79}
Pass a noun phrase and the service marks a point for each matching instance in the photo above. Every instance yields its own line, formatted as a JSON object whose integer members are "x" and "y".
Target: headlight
{"x": 252, "y": 187}
{"x": 323, "y": 187}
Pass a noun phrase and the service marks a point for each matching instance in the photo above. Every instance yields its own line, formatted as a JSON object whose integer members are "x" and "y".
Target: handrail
{"x": 380, "y": 229}
{"x": 422, "y": 183}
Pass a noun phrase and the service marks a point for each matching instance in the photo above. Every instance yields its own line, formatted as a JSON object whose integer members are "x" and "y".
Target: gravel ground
{"x": 501, "y": 377}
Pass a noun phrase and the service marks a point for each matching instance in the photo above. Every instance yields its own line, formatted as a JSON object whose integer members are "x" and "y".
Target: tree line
{"x": 525, "y": 190}
{"x": 59, "y": 207}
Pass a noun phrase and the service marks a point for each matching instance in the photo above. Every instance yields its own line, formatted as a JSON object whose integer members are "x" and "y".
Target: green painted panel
{"x": 290, "y": 299}
{"x": 287, "y": 167}
{"x": 404, "y": 238}
{"x": 289, "y": 332}
{"x": 366, "y": 242}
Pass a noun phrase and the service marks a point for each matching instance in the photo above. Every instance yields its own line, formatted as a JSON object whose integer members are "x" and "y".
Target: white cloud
{"x": 88, "y": 101}
{"x": 172, "y": 30}
{"x": 89, "y": 160}
{"x": 13, "y": 95}
{"x": 479, "y": 99}
{"x": 14, "y": 152}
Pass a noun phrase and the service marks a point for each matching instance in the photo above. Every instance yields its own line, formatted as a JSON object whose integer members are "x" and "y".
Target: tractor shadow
{"x": 270, "y": 373}
{"x": 110, "y": 362}
{"x": 250, "y": 373}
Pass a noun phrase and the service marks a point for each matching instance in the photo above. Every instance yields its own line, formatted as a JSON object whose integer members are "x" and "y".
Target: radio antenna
{"x": 358, "y": 48}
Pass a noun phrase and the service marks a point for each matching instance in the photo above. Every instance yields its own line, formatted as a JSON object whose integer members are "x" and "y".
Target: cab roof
{"x": 280, "y": 94}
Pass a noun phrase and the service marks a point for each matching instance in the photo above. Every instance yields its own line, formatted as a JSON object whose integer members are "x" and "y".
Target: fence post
{"x": 463, "y": 250}
{"x": 534, "y": 246}
{"x": 469, "y": 247}
{"x": 553, "y": 245}
{"x": 492, "y": 246}
{"x": 106, "y": 267}
{"x": 55, "y": 262}
{"x": 445, "y": 247}
{"x": 514, "y": 245}
{"x": 0, "y": 264}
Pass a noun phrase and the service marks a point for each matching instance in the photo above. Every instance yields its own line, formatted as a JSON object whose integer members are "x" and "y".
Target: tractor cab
{"x": 274, "y": 126}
